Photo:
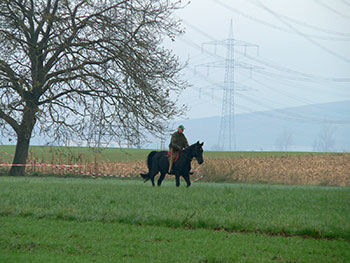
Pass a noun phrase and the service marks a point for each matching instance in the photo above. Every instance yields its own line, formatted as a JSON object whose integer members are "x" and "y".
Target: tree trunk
{"x": 21, "y": 155}
{"x": 22, "y": 148}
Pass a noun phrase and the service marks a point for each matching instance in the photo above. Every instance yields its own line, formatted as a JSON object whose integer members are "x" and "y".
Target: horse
{"x": 158, "y": 161}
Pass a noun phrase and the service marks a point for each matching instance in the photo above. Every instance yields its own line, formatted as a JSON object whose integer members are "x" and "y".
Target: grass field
{"x": 79, "y": 219}
{"x": 85, "y": 154}
{"x": 76, "y": 154}
{"x": 85, "y": 220}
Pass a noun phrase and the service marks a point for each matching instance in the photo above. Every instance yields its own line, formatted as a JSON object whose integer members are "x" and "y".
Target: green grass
{"x": 32, "y": 240}
{"x": 85, "y": 220}
{"x": 292, "y": 210}
{"x": 75, "y": 154}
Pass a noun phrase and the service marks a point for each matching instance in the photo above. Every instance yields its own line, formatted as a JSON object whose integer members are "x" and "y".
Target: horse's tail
{"x": 145, "y": 176}
{"x": 149, "y": 164}
{"x": 149, "y": 159}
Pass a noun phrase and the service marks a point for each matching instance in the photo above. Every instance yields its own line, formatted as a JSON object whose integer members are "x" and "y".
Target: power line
{"x": 329, "y": 51}
{"x": 286, "y": 85}
{"x": 331, "y": 9}
{"x": 308, "y": 77}
{"x": 346, "y": 2}
{"x": 302, "y": 76}
{"x": 268, "y": 111}
{"x": 295, "y": 75}
{"x": 345, "y": 36}
{"x": 301, "y": 23}
{"x": 285, "y": 30}
{"x": 285, "y": 115}
{"x": 299, "y": 76}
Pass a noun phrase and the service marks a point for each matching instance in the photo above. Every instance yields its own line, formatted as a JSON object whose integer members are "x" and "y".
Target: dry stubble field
{"x": 331, "y": 169}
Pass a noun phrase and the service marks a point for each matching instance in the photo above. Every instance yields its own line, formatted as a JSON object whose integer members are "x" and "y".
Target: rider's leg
{"x": 171, "y": 159}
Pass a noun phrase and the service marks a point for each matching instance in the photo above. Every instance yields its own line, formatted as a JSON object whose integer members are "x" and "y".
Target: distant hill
{"x": 319, "y": 127}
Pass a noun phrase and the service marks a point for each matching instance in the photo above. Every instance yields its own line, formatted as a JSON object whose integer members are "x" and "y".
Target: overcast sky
{"x": 300, "y": 53}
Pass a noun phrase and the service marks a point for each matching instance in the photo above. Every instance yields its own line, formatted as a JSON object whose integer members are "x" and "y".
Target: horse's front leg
{"x": 187, "y": 179}
{"x": 177, "y": 178}
{"x": 152, "y": 180}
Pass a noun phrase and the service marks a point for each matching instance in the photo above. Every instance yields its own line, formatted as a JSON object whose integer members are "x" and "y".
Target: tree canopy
{"x": 87, "y": 68}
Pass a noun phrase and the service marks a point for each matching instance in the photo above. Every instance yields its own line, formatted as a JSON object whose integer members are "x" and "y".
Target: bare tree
{"x": 284, "y": 140}
{"x": 86, "y": 68}
{"x": 325, "y": 141}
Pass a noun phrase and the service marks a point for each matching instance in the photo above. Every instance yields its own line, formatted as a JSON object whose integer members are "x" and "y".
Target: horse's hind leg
{"x": 187, "y": 179}
{"x": 161, "y": 178}
{"x": 151, "y": 177}
{"x": 153, "y": 172}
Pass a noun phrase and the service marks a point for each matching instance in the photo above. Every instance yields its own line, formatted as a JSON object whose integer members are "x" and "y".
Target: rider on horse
{"x": 178, "y": 143}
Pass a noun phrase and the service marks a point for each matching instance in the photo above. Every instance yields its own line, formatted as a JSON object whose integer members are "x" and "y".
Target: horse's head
{"x": 198, "y": 152}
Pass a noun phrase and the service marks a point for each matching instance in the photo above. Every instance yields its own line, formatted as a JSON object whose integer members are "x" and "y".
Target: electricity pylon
{"x": 227, "y": 137}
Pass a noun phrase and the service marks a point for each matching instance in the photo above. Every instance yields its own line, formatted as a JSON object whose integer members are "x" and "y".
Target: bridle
{"x": 186, "y": 156}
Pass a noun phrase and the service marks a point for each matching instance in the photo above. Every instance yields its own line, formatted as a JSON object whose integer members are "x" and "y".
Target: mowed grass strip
{"x": 319, "y": 212}
{"x": 45, "y": 240}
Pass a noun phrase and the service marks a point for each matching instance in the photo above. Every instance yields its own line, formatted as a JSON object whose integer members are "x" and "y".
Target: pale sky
{"x": 303, "y": 53}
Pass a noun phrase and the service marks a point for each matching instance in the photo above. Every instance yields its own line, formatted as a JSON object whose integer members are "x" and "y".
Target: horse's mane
{"x": 189, "y": 148}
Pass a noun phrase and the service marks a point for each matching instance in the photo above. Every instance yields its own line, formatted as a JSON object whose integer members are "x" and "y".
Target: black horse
{"x": 159, "y": 162}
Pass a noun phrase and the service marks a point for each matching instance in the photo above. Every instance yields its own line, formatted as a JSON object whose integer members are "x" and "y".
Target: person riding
{"x": 178, "y": 143}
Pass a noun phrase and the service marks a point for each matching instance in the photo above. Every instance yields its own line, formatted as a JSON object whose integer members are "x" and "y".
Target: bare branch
{"x": 99, "y": 61}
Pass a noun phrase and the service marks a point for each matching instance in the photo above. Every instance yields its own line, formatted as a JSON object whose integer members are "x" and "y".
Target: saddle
{"x": 176, "y": 157}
